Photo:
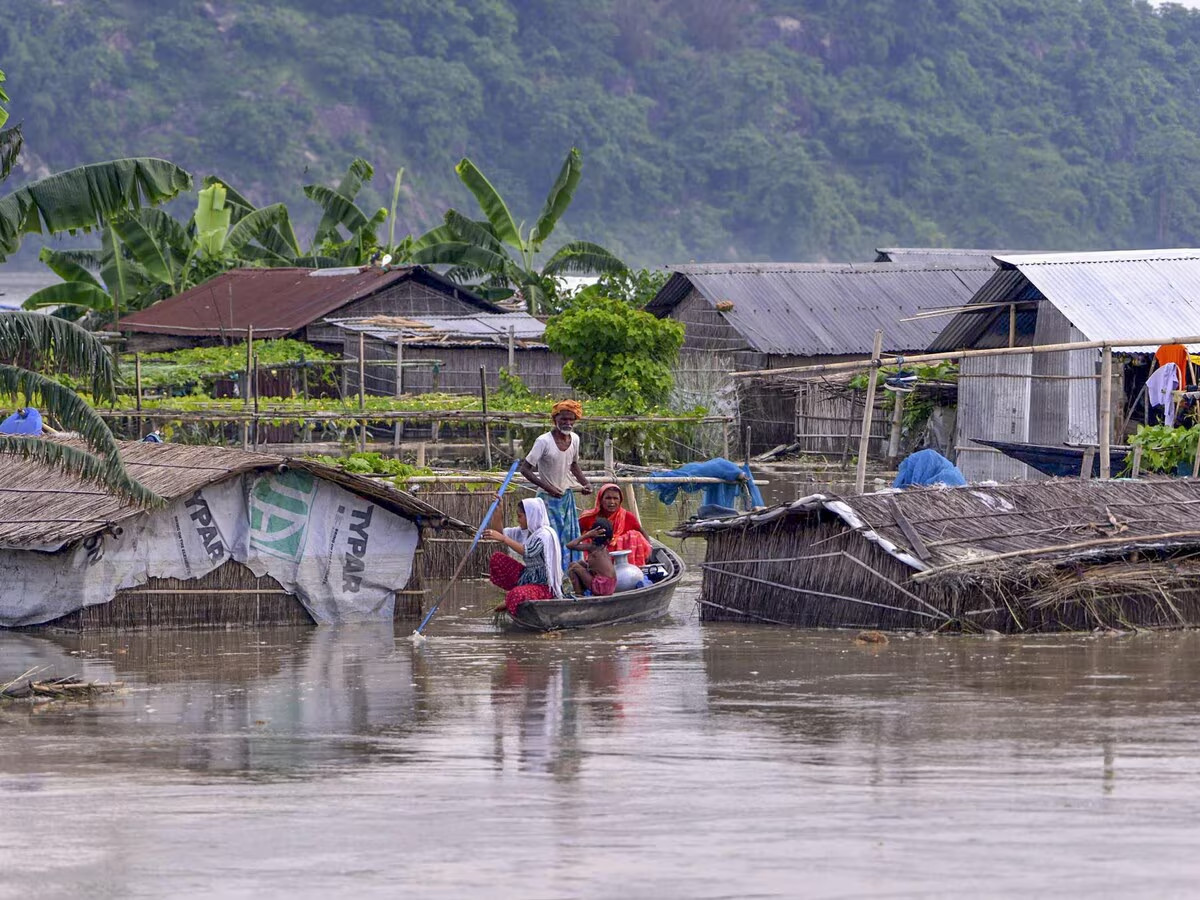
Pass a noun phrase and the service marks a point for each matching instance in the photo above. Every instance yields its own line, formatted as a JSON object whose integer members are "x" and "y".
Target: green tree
{"x": 614, "y": 350}
{"x": 346, "y": 235}
{"x": 500, "y": 254}
{"x": 76, "y": 199}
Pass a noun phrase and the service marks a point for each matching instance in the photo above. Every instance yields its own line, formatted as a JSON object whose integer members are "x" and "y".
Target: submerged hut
{"x": 1062, "y": 555}
{"x": 773, "y": 315}
{"x": 244, "y": 538}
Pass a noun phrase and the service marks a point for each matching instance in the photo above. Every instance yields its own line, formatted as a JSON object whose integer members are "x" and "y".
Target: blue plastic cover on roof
{"x": 23, "y": 421}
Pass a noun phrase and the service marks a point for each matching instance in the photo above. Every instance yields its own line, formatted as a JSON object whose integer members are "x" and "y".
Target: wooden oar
{"x": 417, "y": 636}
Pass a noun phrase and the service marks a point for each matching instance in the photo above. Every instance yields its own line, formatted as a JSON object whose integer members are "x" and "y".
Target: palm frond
{"x": 582, "y": 257}
{"x": 559, "y": 198}
{"x": 11, "y": 141}
{"x": 479, "y": 233}
{"x": 84, "y": 294}
{"x": 72, "y": 349}
{"x": 490, "y": 202}
{"x": 338, "y": 211}
{"x": 82, "y": 198}
{"x": 108, "y": 471}
{"x": 458, "y": 253}
{"x": 259, "y": 224}
{"x": 67, "y": 266}
{"x": 142, "y": 246}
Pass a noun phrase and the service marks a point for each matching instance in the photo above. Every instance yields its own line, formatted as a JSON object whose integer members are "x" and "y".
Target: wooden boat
{"x": 623, "y": 608}
{"x": 1061, "y": 460}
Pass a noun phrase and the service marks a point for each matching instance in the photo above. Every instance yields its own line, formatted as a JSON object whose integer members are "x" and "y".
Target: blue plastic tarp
{"x": 727, "y": 494}
{"x": 928, "y": 467}
{"x": 23, "y": 421}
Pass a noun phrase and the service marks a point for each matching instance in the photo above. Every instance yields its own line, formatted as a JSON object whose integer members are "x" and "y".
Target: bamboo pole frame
{"x": 894, "y": 359}
{"x": 864, "y": 438}
{"x": 1106, "y": 372}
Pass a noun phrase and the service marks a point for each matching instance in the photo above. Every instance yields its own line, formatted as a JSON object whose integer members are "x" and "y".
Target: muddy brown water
{"x": 671, "y": 760}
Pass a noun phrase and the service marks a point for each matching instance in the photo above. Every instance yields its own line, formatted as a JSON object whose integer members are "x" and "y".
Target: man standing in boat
{"x": 550, "y": 466}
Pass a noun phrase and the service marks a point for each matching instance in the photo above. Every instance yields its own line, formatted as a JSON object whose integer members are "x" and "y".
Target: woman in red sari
{"x": 628, "y": 533}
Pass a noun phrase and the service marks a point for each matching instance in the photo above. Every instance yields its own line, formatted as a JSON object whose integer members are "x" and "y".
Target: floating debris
{"x": 72, "y": 687}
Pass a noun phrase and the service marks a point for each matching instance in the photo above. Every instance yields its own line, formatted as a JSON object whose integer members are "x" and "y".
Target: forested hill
{"x": 711, "y": 129}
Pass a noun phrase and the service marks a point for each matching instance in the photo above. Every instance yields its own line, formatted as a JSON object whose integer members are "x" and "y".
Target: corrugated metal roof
{"x": 276, "y": 301}
{"x": 492, "y": 327}
{"x": 1108, "y": 295}
{"x": 814, "y": 309}
{"x": 942, "y": 256}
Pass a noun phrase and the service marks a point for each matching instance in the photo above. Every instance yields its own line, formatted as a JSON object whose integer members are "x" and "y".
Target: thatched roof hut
{"x": 244, "y": 537}
{"x": 1058, "y": 555}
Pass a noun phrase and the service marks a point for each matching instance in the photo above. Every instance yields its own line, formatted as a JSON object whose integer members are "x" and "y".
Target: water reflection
{"x": 670, "y": 760}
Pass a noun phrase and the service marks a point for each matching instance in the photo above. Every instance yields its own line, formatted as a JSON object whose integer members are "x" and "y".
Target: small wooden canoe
{"x": 623, "y": 608}
{"x": 1062, "y": 460}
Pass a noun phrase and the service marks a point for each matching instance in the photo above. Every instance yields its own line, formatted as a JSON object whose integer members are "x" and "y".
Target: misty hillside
{"x": 711, "y": 129}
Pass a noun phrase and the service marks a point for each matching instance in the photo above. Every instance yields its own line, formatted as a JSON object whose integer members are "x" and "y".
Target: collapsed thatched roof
{"x": 939, "y": 530}
{"x": 39, "y": 506}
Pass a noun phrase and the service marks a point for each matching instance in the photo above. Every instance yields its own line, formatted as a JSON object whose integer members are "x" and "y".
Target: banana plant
{"x": 147, "y": 255}
{"x": 498, "y": 257}
{"x": 346, "y": 234}
{"x": 81, "y": 198}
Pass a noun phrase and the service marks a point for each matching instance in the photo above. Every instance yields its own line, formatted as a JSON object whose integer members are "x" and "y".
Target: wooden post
{"x": 1106, "y": 412}
{"x": 1089, "y": 461}
{"x": 304, "y": 383}
{"x": 487, "y": 429}
{"x": 864, "y": 439}
{"x": 609, "y": 465}
{"x": 1012, "y": 325}
{"x": 893, "y": 450}
{"x": 1137, "y": 462}
{"x": 137, "y": 380}
{"x": 849, "y": 429}
{"x": 512, "y": 350}
{"x": 725, "y": 428}
{"x": 421, "y": 455}
{"x": 399, "y": 364}
{"x": 1196, "y": 463}
{"x": 362, "y": 371}
{"x": 254, "y": 385}
{"x": 249, "y": 365}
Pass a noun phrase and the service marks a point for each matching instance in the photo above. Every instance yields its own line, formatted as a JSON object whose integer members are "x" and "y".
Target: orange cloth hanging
{"x": 1178, "y": 354}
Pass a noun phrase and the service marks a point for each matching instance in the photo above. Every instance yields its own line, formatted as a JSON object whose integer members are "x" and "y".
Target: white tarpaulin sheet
{"x": 340, "y": 554}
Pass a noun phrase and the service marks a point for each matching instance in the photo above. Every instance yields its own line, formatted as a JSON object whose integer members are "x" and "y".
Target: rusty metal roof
{"x": 816, "y": 309}
{"x": 277, "y": 302}
{"x": 1107, "y": 295}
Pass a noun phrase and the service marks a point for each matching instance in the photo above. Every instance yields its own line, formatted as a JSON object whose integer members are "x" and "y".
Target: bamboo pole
{"x": 1130, "y": 540}
{"x": 137, "y": 376}
{"x": 1106, "y": 371}
{"x": 864, "y": 439}
{"x": 487, "y": 428}
{"x": 512, "y": 349}
{"x": 893, "y": 450}
{"x": 1012, "y": 325}
{"x": 609, "y": 465}
{"x": 899, "y": 360}
{"x": 399, "y": 392}
{"x": 362, "y": 371}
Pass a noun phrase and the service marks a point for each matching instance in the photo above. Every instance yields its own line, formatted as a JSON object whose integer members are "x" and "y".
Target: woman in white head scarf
{"x": 541, "y": 576}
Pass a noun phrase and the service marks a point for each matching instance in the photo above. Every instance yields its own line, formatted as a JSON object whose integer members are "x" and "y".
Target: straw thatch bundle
{"x": 1049, "y": 555}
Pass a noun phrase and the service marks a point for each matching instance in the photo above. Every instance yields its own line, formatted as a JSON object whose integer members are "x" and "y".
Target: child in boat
{"x": 598, "y": 574}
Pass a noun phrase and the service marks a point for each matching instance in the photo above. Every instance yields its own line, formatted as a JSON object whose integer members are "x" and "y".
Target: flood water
{"x": 670, "y": 760}
{"x": 666, "y": 761}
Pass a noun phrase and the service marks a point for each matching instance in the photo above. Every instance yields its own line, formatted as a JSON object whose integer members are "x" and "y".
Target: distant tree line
{"x": 713, "y": 129}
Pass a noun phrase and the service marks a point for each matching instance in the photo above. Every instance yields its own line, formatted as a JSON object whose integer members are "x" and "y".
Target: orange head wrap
{"x": 571, "y": 406}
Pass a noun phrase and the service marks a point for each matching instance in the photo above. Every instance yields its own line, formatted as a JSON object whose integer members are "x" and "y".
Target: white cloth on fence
{"x": 1159, "y": 388}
